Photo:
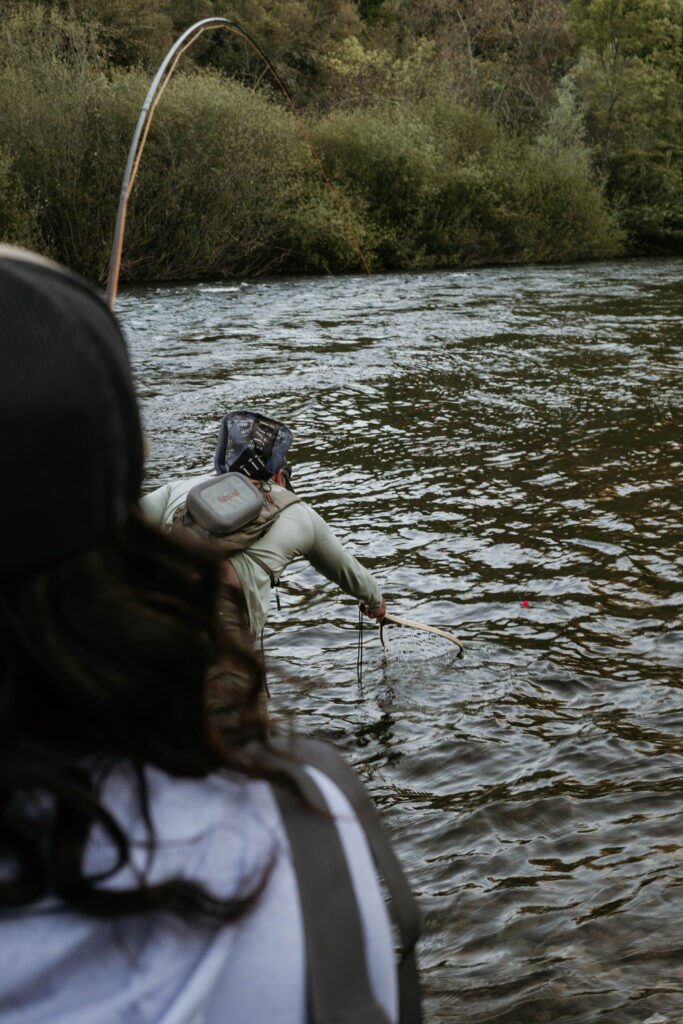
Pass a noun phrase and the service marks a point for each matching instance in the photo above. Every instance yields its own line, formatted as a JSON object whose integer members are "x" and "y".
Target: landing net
{"x": 402, "y": 644}
{"x": 404, "y": 640}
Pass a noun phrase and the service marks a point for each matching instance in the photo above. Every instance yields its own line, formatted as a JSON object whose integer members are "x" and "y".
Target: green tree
{"x": 130, "y": 32}
{"x": 504, "y": 55}
{"x": 354, "y": 74}
{"x": 629, "y": 80}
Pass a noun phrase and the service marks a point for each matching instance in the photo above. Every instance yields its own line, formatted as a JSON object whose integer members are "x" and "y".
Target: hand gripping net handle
{"x": 418, "y": 625}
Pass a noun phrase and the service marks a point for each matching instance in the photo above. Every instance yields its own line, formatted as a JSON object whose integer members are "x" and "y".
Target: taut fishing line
{"x": 156, "y": 91}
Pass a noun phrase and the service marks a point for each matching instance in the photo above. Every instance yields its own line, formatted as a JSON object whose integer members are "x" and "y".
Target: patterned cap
{"x": 252, "y": 444}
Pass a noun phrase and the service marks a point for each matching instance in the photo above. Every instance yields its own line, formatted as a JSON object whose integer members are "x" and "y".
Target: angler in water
{"x": 285, "y": 528}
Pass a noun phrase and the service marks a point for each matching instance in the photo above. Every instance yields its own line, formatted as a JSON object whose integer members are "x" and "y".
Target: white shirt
{"x": 60, "y": 967}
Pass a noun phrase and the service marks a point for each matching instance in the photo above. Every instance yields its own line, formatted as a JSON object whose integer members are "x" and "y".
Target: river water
{"x": 501, "y": 436}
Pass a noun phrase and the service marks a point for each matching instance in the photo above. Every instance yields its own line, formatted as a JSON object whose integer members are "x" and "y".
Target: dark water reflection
{"x": 521, "y": 442}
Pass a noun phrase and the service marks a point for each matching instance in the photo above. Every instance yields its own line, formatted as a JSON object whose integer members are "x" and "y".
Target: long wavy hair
{"x": 103, "y": 660}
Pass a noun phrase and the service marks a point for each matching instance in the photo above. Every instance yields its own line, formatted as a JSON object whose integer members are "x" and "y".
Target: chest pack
{"x": 232, "y": 510}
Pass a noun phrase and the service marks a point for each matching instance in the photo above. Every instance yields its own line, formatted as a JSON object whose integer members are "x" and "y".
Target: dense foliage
{"x": 453, "y": 131}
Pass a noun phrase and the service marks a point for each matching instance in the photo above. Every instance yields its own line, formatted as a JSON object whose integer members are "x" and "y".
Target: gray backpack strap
{"x": 339, "y": 987}
{"x": 262, "y": 565}
{"x": 271, "y": 576}
{"x": 339, "y": 990}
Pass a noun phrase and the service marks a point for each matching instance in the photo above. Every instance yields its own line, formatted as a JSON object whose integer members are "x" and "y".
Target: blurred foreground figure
{"x": 152, "y": 867}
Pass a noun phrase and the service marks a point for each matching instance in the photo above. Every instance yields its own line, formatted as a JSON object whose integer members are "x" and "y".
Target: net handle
{"x": 428, "y": 629}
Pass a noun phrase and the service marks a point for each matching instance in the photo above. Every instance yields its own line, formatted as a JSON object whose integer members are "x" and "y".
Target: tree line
{"x": 454, "y": 132}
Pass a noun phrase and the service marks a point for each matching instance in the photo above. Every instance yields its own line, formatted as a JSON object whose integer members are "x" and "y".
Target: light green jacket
{"x": 299, "y": 532}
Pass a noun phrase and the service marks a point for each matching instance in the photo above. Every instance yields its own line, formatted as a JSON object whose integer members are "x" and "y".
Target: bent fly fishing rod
{"x": 156, "y": 91}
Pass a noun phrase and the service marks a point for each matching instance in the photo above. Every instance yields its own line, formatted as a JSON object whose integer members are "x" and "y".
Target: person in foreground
{"x": 256, "y": 446}
{"x": 151, "y": 869}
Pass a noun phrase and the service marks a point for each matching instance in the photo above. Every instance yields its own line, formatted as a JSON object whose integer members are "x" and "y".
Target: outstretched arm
{"x": 327, "y": 554}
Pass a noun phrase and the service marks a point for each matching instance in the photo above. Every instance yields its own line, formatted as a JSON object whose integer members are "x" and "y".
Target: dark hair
{"x": 103, "y": 661}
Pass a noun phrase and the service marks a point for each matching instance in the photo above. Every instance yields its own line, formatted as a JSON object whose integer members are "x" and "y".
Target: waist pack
{"x": 231, "y": 510}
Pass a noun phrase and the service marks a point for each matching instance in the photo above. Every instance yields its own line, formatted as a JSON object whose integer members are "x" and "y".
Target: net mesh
{"x": 404, "y": 644}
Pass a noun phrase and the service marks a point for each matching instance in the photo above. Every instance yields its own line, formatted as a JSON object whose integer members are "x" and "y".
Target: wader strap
{"x": 266, "y": 568}
{"x": 311, "y": 858}
{"x": 263, "y": 666}
{"x": 269, "y": 572}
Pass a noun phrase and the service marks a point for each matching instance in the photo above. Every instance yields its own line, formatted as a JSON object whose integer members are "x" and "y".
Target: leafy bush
{"x": 443, "y": 185}
{"x": 217, "y": 183}
{"x": 385, "y": 164}
{"x": 56, "y": 120}
{"x": 16, "y": 221}
{"x": 228, "y": 186}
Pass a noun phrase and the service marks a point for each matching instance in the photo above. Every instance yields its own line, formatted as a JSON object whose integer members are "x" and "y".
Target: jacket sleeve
{"x": 330, "y": 558}
{"x": 153, "y": 505}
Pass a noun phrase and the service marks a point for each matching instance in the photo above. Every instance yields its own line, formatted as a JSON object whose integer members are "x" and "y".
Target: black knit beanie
{"x": 70, "y": 435}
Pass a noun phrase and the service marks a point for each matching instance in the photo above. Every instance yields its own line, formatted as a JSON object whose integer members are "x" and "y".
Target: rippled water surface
{"x": 519, "y": 441}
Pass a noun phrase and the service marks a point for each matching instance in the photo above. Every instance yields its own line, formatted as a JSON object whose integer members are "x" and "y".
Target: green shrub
{"x": 443, "y": 185}
{"x": 228, "y": 186}
{"x": 217, "y": 178}
{"x": 217, "y": 183}
{"x": 325, "y": 233}
{"x": 384, "y": 160}
{"x": 17, "y": 226}
{"x": 55, "y": 120}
